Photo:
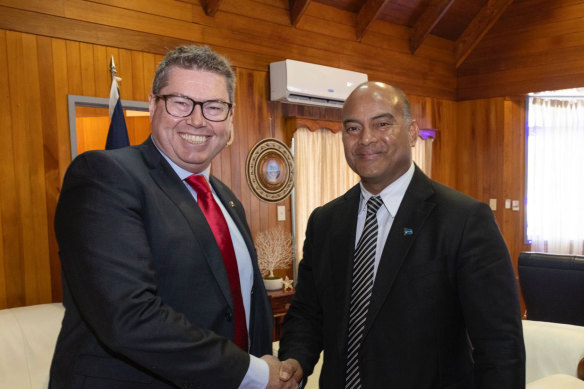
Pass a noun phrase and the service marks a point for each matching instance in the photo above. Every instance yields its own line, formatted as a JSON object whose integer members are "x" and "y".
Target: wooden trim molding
{"x": 293, "y": 123}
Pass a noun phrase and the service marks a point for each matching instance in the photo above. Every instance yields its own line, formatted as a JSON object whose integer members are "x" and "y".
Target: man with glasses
{"x": 160, "y": 278}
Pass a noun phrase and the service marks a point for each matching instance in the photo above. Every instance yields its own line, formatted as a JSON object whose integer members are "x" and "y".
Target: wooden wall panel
{"x": 28, "y": 277}
{"x": 488, "y": 160}
{"x": 37, "y": 152}
{"x": 514, "y": 179}
{"x": 444, "y": 145}
{"x": 10, "y": 250}
{"x": 51, "y": 49}
{"x": 50, "y": 147}
{"x": 537, "y": 45}
{"x": 251, "y": 37}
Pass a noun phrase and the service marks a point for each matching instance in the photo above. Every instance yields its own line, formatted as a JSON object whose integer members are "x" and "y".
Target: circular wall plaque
{"x": 269, "y": 169}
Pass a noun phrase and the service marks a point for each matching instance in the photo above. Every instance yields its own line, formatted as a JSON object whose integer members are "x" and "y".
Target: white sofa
{"x": 554, "y": 355}
{"x": 27, "y": 340}
{"x": 28, "y": 336}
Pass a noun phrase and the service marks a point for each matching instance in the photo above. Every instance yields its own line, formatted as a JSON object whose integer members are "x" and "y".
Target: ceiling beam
{"x": 478, "y": 28}
{"x": 367, "y": 14}
{"x": 429, "y": 19}
{"x": 297, "y": 8}
{"x": 210, "y": 6}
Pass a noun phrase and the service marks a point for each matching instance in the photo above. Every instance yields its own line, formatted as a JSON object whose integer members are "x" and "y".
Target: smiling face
{"x": 377, "y": 137}
{"x": 191, "y": 142}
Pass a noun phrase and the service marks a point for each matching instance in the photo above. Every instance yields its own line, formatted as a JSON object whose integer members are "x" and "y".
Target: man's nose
{"x": 196, "y": 118}
{"x": 368, "y": 136}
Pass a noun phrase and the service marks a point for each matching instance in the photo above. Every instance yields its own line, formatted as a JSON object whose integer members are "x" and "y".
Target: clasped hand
{"x": 286, "y": 374}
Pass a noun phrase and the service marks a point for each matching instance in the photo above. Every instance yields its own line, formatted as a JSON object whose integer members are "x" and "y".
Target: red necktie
{"x": 220, "y": 230}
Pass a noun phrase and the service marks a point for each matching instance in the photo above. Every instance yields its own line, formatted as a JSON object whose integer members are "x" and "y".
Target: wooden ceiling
{"x": 464, "y": 22}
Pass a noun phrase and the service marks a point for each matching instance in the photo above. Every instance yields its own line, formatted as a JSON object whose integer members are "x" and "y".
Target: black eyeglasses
{"x": 182, "y": 106}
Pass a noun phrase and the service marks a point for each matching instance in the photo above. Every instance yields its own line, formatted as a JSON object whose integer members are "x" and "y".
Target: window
{"x": 555, "y": 172}
{"x": 89, "y": 122}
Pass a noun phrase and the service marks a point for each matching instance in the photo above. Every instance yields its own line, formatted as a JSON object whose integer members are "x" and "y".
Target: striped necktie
{"x": 361, "y": 288}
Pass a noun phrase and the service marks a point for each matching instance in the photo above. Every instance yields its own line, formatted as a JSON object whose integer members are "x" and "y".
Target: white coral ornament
{"x": 274, "y": 248}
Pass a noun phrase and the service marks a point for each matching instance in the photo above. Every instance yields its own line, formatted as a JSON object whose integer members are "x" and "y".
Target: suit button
{"x": 228, "y": 316}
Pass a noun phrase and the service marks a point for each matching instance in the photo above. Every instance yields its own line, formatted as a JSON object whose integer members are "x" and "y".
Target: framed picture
{"x": 269, "y": 170}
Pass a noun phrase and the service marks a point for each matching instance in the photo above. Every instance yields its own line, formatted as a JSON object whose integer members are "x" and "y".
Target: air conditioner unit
{"x": 306, "y": 83}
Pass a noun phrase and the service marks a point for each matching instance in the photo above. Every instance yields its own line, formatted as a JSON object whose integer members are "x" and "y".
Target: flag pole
{"x": 113, "y": 68}
{"x": 117, "y": 136}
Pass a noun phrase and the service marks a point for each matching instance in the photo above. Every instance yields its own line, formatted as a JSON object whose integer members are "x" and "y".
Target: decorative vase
{"x": 273, "y": 283}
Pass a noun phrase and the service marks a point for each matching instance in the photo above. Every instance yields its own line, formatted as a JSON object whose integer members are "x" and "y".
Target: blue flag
{"x": 117, "y": 136}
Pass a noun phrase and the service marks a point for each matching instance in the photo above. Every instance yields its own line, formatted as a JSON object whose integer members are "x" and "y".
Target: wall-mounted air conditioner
{"x": 306, "y": 83}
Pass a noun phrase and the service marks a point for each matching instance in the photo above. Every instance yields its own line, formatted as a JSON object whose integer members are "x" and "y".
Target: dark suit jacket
{"x": 146, "y": 294}
{"x": 450, "y": 278}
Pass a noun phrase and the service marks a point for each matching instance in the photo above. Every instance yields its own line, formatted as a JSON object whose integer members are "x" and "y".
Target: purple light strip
{"x": 427, "y": 133}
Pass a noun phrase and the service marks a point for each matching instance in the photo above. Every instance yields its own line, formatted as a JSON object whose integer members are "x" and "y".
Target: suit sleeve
{"x": 490, "y": 303}
{"x": 302, "y": 328}
{"x": 107, "y": 267}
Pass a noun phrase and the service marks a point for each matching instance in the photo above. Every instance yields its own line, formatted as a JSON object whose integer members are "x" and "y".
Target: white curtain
{"x": 321, "y": 173}
{"x": 422, "y": 151}
{"x": 555, "y": 175}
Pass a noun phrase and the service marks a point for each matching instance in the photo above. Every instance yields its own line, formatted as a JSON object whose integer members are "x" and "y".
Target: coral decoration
{"x": 274, "y": 248}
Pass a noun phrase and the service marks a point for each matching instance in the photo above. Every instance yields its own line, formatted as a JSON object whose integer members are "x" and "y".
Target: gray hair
{"x": 194, "y": 57}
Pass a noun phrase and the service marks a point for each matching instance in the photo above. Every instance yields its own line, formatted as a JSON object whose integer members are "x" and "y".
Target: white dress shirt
{"x": 392, "y": 196}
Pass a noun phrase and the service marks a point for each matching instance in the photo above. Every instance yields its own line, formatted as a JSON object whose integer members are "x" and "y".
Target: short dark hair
{"x": 194, "y": 57}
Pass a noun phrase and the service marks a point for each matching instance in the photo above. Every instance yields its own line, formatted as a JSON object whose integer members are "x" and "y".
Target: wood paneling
{"x": 250, "y": 37}
{"x": 10, "y": 249}
{"x": 25, "y": 232}
{"x": 478, "y": 28}
{"x": 489, "y": 160}
{"x": 426, "y": 23}
{"x": 536, "y": 45}
{"x": 49, "y": 49}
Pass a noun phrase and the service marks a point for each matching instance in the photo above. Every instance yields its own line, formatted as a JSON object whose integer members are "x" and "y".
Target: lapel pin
{"x": 408, "y": 231}
{"x": 232, "y": 204}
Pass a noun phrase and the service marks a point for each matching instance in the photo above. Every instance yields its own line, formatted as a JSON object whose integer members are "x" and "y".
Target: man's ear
{"x": 413, "y": 133}
{"x": 151, "y": 104}
{"x": 231, "y": 134}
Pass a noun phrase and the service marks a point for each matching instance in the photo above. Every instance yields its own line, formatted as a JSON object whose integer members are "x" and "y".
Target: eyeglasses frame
{"x": 195, "y": 103}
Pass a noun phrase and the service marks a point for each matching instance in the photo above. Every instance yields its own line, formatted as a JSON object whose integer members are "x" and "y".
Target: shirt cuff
{"x": 258, "y": 374}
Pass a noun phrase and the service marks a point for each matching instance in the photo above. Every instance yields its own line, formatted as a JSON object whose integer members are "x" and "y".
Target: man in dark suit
{"x": 437, "y": 304}
{"x": 158, "y": 292}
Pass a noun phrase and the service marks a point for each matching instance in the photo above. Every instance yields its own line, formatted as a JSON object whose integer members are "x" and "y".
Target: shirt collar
{"x": 392, "y": 194}
{"x": 182, "y": 173}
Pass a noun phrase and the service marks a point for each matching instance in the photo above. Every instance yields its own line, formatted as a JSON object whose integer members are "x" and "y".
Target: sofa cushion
{"x": 552, "y": 348}
{"x": 557, "y": 381}
{"x": 27, "y": 341}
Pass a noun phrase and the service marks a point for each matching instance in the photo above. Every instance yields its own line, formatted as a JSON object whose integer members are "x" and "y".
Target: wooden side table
{"x": 280, "y": 302}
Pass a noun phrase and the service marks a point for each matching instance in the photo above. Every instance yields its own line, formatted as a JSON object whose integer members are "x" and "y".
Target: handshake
{"x": 285, "y": 374}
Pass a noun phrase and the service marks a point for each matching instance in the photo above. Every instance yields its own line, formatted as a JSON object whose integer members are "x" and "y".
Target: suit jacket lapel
{"x": 233, "y": 207}
{"x": 342, "y": 250}
{"x": 169, "y": 182}
{"x": 411, "y": 215}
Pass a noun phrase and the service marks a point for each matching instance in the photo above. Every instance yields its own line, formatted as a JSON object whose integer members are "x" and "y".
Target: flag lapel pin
{"x": 408, "y": 231}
